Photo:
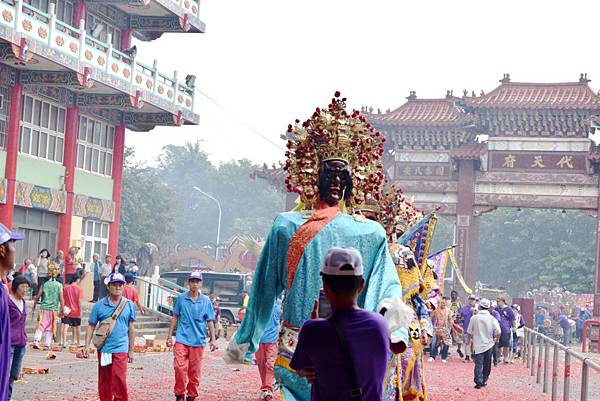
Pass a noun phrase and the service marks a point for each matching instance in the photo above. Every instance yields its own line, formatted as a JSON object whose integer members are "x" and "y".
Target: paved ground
{"x": 150, "y": 379}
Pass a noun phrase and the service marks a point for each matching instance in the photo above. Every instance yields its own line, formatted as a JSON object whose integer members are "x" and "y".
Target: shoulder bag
{"x": 355, "y": 390}
{"x": 105, "y": 327}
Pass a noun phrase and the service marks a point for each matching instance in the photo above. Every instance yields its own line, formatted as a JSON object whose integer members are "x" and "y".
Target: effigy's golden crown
{"x": 334, "y": 134}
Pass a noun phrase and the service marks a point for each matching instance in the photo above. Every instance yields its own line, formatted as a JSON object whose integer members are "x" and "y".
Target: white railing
{"x": 75, "y": 42}
{"x": 157, "y": 297}
{"x": 537, "y": 349}
{"x": 192, "y": 6}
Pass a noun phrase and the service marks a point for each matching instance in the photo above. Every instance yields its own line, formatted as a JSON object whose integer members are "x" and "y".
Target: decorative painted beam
{"x": 8, "y": 75}
{"x": 142, "y": 23}
{"x": 50, "y": 78}
{"x": 103, "y": 100}
{"x": 148, "y": 118}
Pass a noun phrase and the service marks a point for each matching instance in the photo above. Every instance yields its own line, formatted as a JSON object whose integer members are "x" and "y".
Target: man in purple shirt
{"x": 507, "y": 320}
{"x": 563, "y": 320}
{"x": 320, "y": 356}
{"x": 7, "y": 261}
{"x": 465, "y": 313}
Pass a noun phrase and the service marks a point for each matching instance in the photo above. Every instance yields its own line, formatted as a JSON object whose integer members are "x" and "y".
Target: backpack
{"x": 105, "y": 327}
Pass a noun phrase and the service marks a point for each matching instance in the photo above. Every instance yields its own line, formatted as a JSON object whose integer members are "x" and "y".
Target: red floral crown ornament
{"x": 396, "y": 213}
{"x": 333, "y": 133}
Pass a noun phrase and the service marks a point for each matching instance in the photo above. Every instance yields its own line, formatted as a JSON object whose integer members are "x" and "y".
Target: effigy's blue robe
{"x": 271, "y": 278}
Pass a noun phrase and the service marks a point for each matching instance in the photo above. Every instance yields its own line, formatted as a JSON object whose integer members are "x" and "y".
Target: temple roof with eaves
{"x": 526, "y": 95}
{"x": 430, "y": 113}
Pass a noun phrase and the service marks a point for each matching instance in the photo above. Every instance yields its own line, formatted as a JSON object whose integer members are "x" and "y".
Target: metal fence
{"x": 537, "y": 350}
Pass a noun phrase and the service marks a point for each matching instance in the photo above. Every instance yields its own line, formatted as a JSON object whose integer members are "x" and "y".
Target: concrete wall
{"x": 39, "y": 172}
{"x": 93, "y": 185}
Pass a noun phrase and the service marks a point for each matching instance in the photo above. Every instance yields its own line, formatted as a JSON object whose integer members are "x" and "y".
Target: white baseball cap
{"x": 342, "y": 262}
{"x": 485, "y": 303}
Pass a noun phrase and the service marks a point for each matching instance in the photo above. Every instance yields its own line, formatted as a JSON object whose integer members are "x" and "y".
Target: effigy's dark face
{"x": 335, "y": 181}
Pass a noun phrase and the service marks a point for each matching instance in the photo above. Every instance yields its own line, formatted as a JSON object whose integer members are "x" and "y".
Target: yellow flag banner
{"x": 459, "y": 276}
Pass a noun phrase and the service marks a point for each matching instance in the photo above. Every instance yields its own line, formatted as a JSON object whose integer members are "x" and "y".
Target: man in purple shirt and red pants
{"x": 7, "y": 261}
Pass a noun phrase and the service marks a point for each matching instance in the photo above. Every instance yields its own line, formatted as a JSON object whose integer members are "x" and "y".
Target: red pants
{"x": 265, "y": 360}
{"x": 188, "y": 369}
{"x": 112, "y": 383}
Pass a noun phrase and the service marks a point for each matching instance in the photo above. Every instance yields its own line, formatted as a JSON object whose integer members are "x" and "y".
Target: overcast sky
{"x": 270, "y": 61}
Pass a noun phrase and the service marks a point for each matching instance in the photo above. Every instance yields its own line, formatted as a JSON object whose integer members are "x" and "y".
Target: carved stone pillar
{"x": 467, "y": 225}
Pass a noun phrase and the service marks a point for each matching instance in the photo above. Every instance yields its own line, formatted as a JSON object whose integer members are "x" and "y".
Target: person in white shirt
{"x": 105, "y": 271}
{"x": 484, "y": 332}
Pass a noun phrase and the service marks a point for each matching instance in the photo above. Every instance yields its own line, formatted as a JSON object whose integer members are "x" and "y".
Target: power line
{"x": 244, "y": 123}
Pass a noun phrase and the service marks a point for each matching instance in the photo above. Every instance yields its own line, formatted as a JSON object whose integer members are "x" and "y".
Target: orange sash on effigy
{"x": 323, "y": 215}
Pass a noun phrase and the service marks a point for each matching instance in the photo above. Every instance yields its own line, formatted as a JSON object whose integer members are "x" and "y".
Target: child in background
{"x": 267, "y": 352}
{"x": 72, "y": 294}
{"x": 52, "y": 303}
{"x": 130, "y": 292}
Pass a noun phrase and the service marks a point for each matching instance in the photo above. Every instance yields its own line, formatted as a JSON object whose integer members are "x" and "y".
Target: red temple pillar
{"x": 126, "y": 38}
{"x": 467, "y": 225}
{"x": 117, "y": 173}
{"x": 79, "y": 13}
{"x": 12, "y": 152}
{"x": 69, "y": 160}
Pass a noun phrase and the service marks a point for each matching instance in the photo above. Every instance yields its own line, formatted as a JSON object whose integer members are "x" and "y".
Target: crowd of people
{"x": 452, "y": 320}
{"x": 344, "y": 301}
{"x": 562, "y": 322}
{"x": 54, "y": 284}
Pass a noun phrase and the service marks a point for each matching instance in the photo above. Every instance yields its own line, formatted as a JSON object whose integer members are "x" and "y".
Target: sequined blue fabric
{"x": 381, "y": 279}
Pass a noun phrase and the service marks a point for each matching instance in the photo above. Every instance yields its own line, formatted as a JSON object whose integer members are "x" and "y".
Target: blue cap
{"x": 195, "y": 275}
{"x": 7, "y": 235}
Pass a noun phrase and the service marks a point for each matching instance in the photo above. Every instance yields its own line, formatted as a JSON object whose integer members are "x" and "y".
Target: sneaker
{"x": 467, "y": 358}
{"x": 180, "y": 397}
{"x": 478, "y": 386}
{"x": 460, "y": 353}
{"x": 188, "y": 398}
{"x": 431, "y": 359}
{"x": 443, "y": 361}
{"x": 266, "y": 396}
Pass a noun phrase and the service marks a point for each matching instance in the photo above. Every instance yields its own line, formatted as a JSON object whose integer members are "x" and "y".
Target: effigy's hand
{"x": 315, "y": 311}
{"x": 398, "y": 348}
{"x": 309, "y": 373}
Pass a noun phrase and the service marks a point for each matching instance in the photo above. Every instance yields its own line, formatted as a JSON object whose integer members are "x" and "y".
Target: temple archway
{"x": 523, "y": 145}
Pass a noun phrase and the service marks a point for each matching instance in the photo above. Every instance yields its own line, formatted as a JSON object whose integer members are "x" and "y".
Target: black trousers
{"x": 96, "y": 290}
{"x": 483, "y": 366}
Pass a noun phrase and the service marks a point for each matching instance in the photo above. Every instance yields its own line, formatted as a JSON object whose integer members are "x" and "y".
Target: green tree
{"x": 248, "y": 206}
{"x": 147, "y": 214}
{"x": 524, "y": 249}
